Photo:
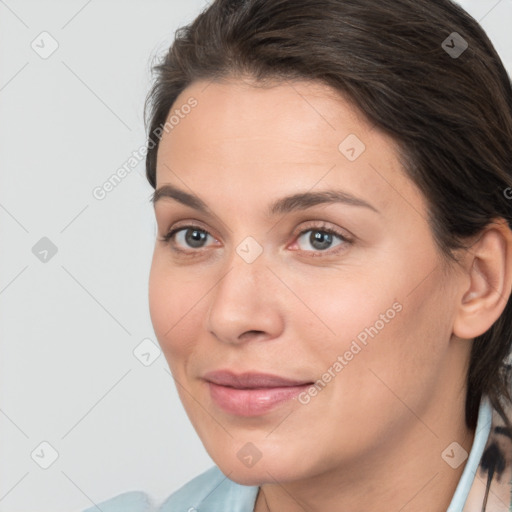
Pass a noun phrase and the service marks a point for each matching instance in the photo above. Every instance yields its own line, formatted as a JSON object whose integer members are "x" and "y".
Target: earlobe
{"x": 489, "y": 268}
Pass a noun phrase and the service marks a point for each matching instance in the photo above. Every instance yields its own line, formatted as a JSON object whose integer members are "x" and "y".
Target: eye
{"x": 320, "y": 239}
{"x": 187, "y": 237}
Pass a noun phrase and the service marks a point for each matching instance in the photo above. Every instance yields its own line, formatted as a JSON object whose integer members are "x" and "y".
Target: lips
{"x": 251, "y": 380}
{"x": 251, "y": 394}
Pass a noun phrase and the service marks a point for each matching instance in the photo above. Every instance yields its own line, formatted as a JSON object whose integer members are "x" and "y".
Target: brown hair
{"x": 400, "y": 62}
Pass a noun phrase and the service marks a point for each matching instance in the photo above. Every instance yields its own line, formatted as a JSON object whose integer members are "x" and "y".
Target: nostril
{"x": 251, "y": 333}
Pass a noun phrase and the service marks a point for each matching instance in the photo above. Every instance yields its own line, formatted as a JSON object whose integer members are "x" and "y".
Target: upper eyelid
{"x": 190, "y": 224}
{"x": 322, "y": 226}
{"x": 192, "y": 220}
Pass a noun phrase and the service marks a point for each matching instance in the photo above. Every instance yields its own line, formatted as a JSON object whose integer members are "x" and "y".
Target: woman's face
{"x": 303, "y": 267}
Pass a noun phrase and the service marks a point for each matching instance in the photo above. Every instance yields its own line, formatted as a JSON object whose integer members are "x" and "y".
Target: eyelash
{"x": 168, "y": 239}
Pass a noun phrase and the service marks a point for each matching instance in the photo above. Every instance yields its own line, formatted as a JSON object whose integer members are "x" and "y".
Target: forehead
{"x": 293, "y": 136}
{"x": 308, "y": 114}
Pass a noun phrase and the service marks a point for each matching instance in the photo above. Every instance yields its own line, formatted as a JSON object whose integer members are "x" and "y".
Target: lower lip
{"x": 252, "y": 402}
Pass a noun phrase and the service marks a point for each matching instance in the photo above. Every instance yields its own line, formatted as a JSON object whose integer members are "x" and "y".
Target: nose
{"x": 245, "y": 304}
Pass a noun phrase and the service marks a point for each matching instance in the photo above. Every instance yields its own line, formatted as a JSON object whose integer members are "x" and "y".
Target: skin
{"x": 372, "y": 439}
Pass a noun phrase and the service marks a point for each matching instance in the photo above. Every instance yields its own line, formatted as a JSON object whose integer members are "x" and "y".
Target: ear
{"x": 489, "y": 269}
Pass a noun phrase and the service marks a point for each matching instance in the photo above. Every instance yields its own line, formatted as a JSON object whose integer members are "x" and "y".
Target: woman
{"x": 331, "y": 279}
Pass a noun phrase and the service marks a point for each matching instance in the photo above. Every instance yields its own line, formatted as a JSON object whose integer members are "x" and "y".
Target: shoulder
{"x": 127, "y": 502}
{"x": 211, "y": 491}
{"x": 492, "y": 483}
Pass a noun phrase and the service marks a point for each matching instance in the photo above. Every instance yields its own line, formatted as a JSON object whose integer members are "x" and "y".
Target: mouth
{"x": 252, "y": 394}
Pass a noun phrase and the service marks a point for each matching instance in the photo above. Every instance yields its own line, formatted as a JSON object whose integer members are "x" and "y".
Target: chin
{"x": 267, "y": 466}
{"x": 256, "y": 475}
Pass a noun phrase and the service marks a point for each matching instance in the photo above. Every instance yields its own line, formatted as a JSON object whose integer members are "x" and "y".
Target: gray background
{"x": 70, "y": 323}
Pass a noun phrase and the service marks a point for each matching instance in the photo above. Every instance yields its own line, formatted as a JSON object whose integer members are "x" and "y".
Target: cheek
{"x": 403, "y": 358}
{"x": 174, "y": 301}
{"x": 338, "y": 309}
{"x": 399, "y": 335}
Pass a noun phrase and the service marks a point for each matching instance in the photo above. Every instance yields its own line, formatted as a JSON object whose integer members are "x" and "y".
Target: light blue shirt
{"x": 212, "y": 491}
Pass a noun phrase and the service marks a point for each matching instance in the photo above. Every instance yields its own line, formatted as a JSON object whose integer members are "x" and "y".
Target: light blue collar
{"x": 483, "y": 428}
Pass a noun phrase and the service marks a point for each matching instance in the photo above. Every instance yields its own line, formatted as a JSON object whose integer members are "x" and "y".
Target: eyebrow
{"x": 300, "y": 201}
